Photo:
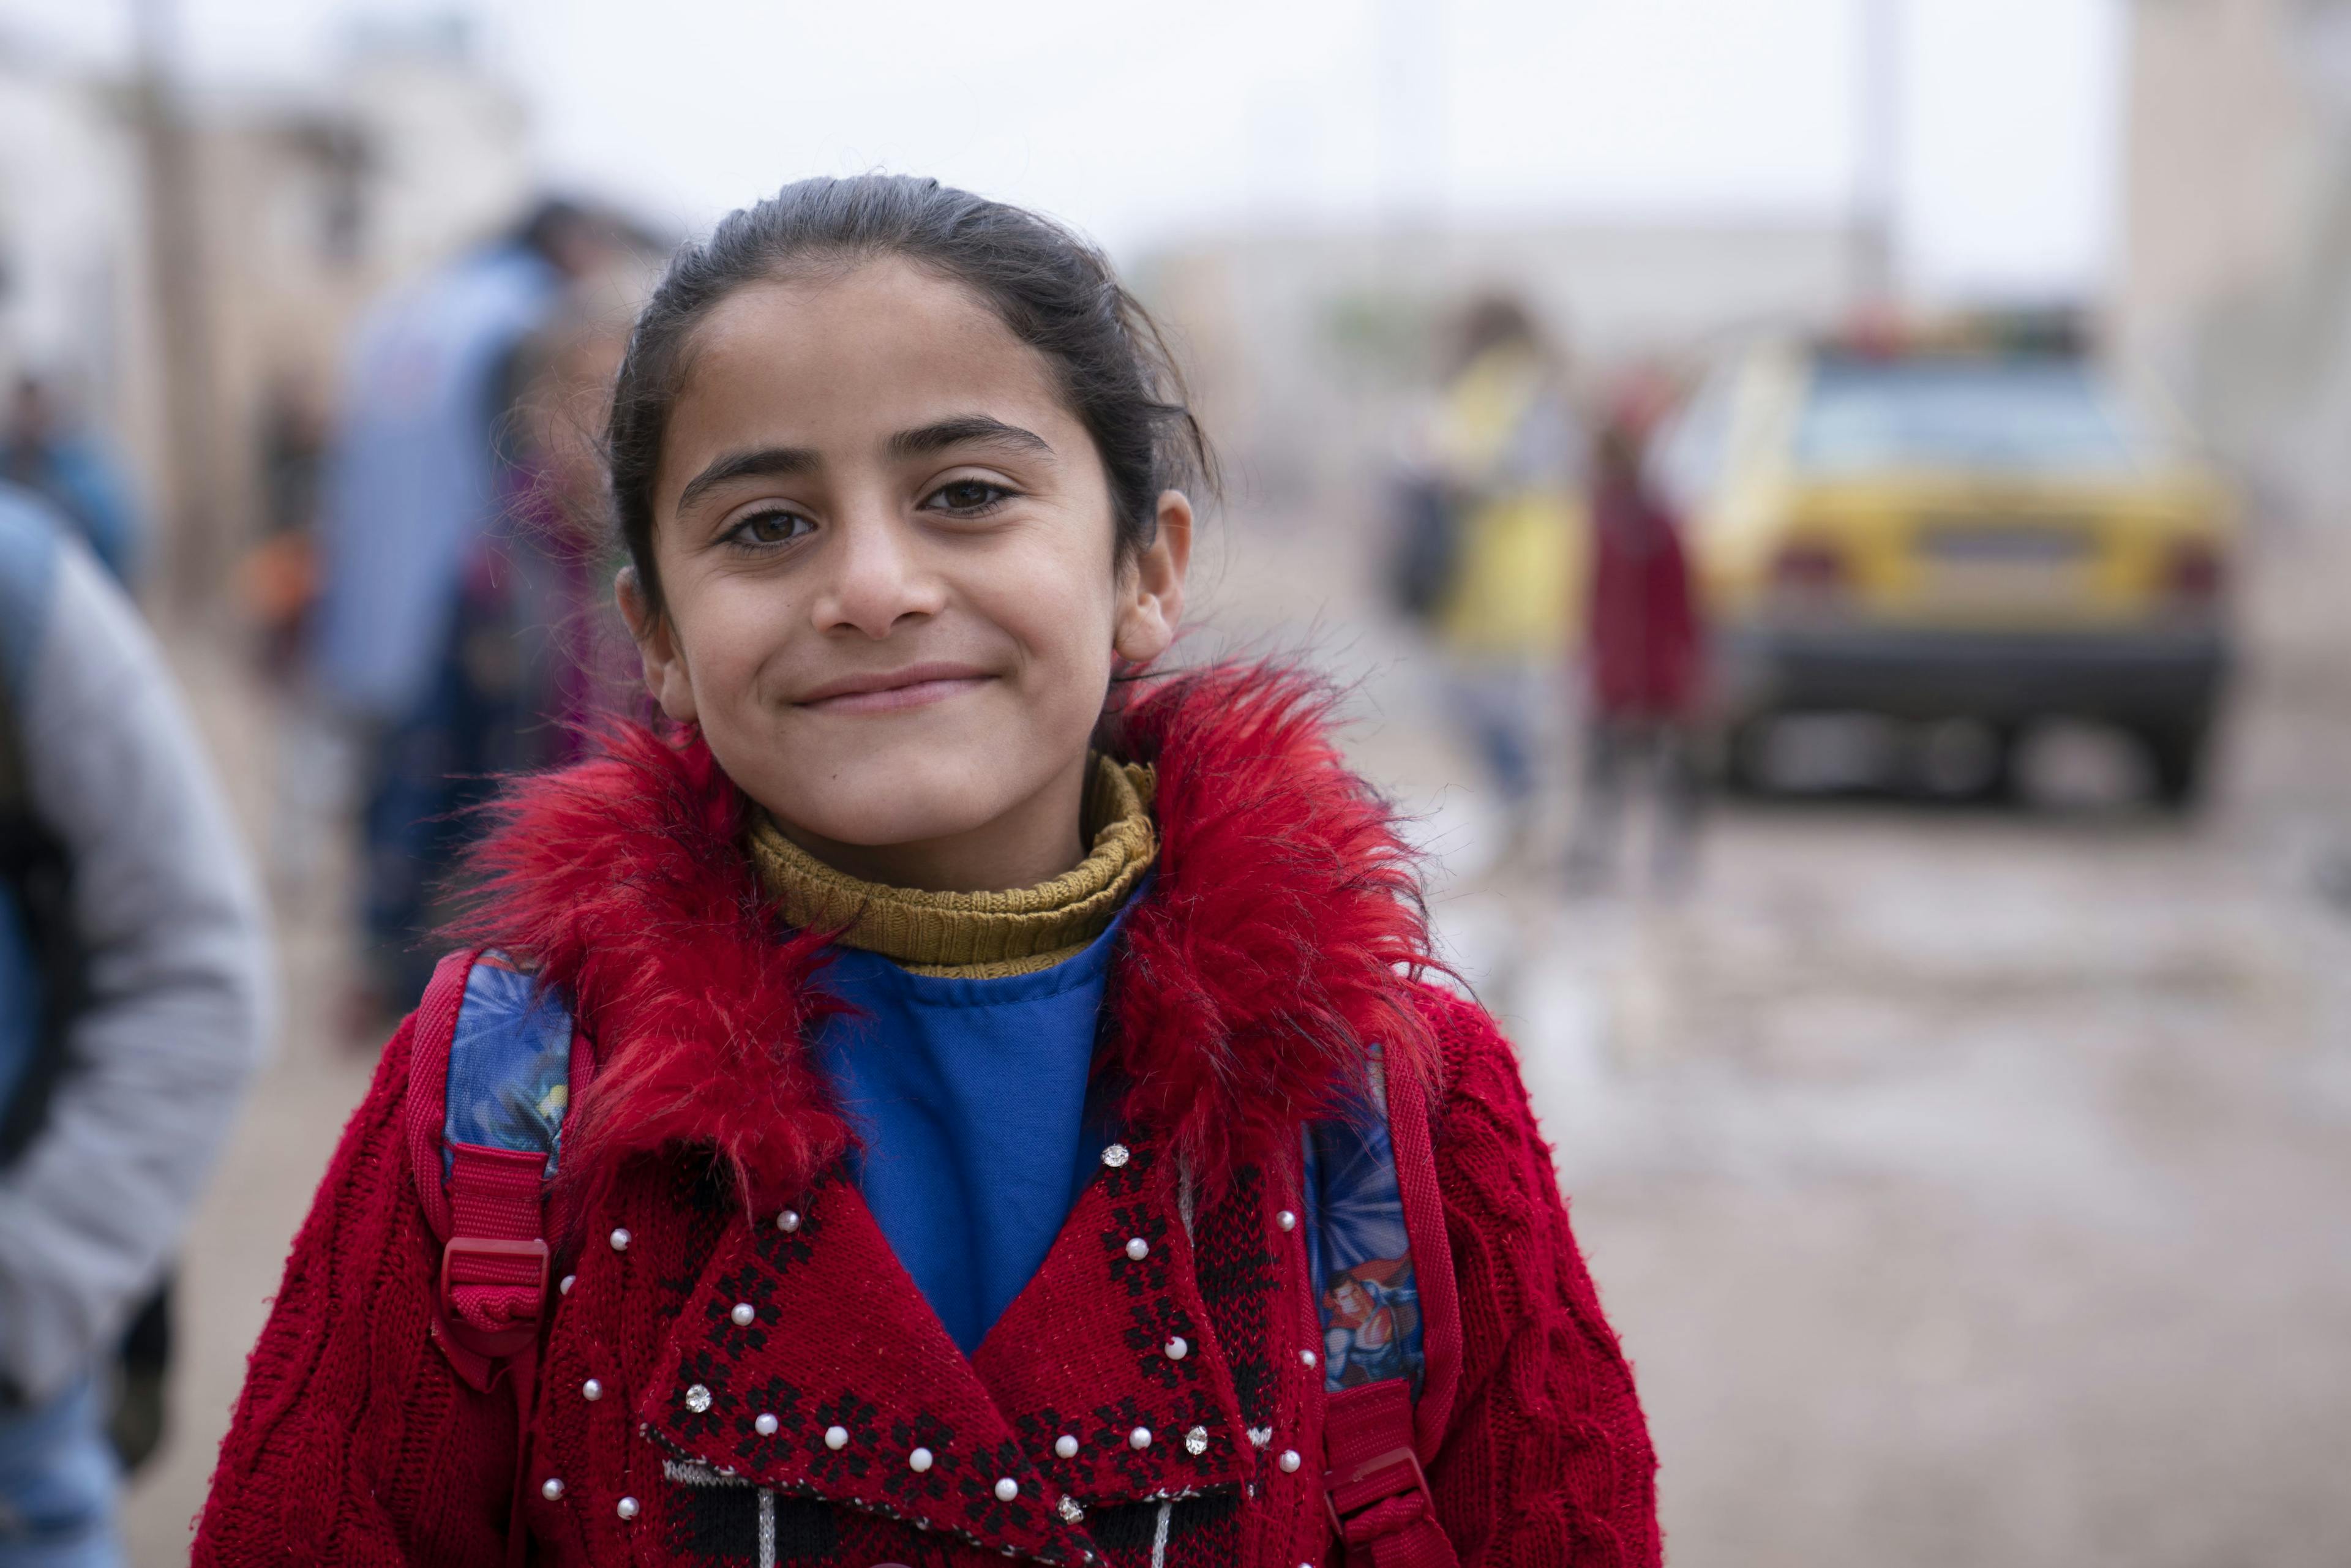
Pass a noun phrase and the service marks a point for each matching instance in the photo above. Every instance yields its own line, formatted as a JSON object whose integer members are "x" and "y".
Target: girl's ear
{"x": 657, "y": 649}
{"x": 1151, "y": 599}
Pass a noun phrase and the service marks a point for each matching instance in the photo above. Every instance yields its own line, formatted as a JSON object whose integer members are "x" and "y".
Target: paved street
{"x": 1967, "y": 1186}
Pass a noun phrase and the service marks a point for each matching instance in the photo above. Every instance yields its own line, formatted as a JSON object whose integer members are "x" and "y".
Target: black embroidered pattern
{"x": 1233, "y": 1257}
{"x": 701, "y": 1380}
{"x": 859, "y": 1419}
{"x": 1202, "y": 1533}
{"x": 775, "y": 1397}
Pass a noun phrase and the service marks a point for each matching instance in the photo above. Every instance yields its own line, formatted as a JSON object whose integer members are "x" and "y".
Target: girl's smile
{"x": 917, "y": 686}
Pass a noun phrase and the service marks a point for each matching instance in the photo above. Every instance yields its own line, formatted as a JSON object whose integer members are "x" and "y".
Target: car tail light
{"x": 1809, "y": 572}
{"x": 2195, "y": 574}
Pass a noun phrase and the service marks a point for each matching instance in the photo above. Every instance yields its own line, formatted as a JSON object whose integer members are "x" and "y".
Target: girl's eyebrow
{"x": 963, "y": 430}
{"x": 765, "y": 463}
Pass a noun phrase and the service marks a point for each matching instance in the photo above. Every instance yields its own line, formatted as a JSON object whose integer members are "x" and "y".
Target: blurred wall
{"x": 2235, "y": 295}
{"x": 307, "y": 207}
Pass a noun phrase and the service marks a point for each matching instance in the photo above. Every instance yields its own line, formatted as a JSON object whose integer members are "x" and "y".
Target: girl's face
{"x": 886, "y": 551}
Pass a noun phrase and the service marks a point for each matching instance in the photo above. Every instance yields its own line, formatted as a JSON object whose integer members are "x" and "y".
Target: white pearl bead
{"x": 744, "y": 1314}
{"x": 1176, "y": 1348}
{"x": 836, "y": 1438}
{"x": 919, "y": 1460}
{"x": 1307, "y": 1356}
{"x": 765, "y": 1424}
{"x": 563, "y": 1287}
{"x": 1138, "y": 1248}
{"x": 626, "y": 1508}
{"x": 551, "y": 1488}
{"x": 1289, "y": 1462}
{"x": 788, "y": 1220}
{"x": 620, "y": 1239}
{"x": 1286, "y": 1219}
{"x": 1139, "y": 1439}
{"x": 1066, "y": 1446}
{"x": 591, "y": 1390}
{"x": 1007, "y": 1489}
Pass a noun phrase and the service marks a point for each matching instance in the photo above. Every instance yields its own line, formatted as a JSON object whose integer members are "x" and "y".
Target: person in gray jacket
{"x": 134, "y": 1003}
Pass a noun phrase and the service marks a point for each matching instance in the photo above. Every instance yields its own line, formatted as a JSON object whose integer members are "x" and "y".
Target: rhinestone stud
{"x": 1196, "y": 1441}
{"x": 552, "y": 1488}
{"x": 563, "y": 1286}
{"x": 1286, "y": 1219}
{"x": 1007, "y": 1489}
{"x": 1066, "y": 1446}
{"x": 744, "y": 1314}
{"x": 1115, "y": 1156}
{"x": 1138, "y": 1248}
{"x": 764, "y": 1424}
{"x": 697, "y": 1397}
{"x": 1071, "y": 1508}
{"x": 919, "y": 1460}
{"x": 1176, "y": 1347}
{"x": 1289, "y": 1461}
{"x": 788, "y": 1220}
{"x": 1139, "y": 1439}
{"x": 836, "y": 1438}
{"x": 626, "y": 1508}
{"x": 591, "y": 1391}
{"x": 620, "y": 1239}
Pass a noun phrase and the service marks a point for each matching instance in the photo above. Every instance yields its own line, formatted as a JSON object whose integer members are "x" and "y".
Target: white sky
{"x": 1139, "y": 122}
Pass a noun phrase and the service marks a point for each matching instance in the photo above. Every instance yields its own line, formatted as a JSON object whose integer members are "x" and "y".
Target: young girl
{"x": 910, "y": 1110}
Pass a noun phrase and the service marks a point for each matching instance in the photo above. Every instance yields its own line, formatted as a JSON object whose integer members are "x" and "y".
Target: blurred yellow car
{"x": 1951, "y": 534}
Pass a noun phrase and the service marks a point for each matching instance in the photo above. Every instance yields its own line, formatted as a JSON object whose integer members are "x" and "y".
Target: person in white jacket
{"x": 133, "y": 1009}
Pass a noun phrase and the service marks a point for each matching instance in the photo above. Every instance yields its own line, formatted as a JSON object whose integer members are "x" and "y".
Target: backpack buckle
{"x": 516, "y": 1271}
{"x": 1352, "y": 1498}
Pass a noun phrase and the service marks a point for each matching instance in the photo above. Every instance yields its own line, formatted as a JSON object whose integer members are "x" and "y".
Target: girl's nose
{"x": 877, "y": 577}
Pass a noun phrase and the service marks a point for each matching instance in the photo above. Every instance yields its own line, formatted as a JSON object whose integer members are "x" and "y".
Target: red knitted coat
{"x": 1269, "y": 951}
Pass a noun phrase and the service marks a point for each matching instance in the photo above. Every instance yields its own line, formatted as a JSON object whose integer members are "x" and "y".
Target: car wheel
{"x": 2176, "y": 758}
{"x": 1742, "y": 761}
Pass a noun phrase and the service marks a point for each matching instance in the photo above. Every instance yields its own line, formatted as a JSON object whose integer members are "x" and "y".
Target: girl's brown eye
{"x": 970, "y": 495}
{"x": 767, "y": 528}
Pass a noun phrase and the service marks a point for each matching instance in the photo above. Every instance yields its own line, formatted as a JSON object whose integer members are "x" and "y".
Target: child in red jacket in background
{"x": 971, "y": 1079}
{"x": 1646, "y": 656}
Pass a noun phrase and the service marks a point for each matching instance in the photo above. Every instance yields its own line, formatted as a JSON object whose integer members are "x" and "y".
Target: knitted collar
{"x": 976, "y": 935}
{"x": 1274, "y": 948}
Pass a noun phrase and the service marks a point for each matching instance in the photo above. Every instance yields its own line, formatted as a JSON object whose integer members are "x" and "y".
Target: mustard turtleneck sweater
{"x": 977, "y": 936}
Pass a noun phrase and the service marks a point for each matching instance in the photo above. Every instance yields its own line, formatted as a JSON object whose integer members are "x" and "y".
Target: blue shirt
{"x": 970, "y": 1099}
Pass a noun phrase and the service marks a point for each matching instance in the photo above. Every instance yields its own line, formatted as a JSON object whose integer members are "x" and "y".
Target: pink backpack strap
{"x": 1376, "y": 1434}
{"x": 494, "y": 1060}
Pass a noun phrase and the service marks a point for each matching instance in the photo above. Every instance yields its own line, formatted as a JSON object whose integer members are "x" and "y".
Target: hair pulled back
{"x": 1052, "y": 289}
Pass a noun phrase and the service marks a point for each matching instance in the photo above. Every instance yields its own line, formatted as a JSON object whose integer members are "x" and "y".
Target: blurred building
{"x": 306, "y": 206}
{"x": 2235, "y": 296}
{"x": 1308, "y": 345}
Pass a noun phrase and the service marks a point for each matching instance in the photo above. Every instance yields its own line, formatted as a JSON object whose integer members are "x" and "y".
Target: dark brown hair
{"x": 1054, "y": 291}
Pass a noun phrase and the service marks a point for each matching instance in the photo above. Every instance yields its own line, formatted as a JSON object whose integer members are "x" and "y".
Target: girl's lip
{"x": 914, "y": 686}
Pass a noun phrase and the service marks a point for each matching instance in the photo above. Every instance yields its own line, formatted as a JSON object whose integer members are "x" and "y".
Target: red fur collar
{"x": 1269, "y": 953}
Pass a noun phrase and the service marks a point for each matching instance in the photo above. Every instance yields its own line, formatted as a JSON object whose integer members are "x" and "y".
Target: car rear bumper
{"x": 2167, "y": 676}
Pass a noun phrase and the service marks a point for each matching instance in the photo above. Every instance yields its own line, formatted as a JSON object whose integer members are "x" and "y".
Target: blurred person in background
{"x": 1486, "y": 554}
{"x": 1644, "y": 654}
{"x": 417, "y": 478}
{"x": 132, "y": 1003}
{"x": 45, "y": 452}
{"x": 278, "y": 581}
